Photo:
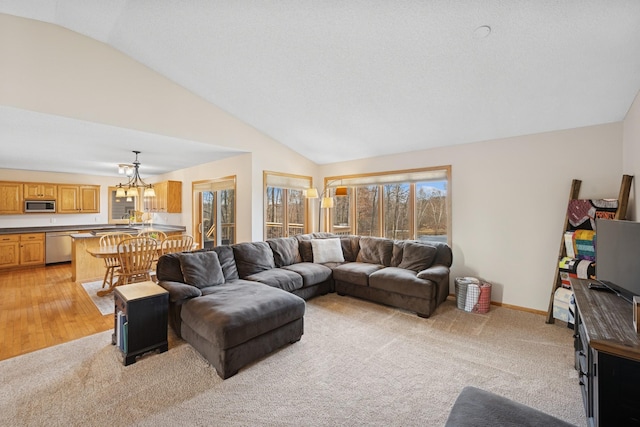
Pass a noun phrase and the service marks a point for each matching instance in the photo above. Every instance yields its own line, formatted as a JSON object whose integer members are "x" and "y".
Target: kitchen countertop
{"x": 90, "y": 227}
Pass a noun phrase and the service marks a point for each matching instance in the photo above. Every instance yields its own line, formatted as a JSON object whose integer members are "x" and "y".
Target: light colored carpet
{"x": 358, "y": 363}
{"x": 105, "y": 304}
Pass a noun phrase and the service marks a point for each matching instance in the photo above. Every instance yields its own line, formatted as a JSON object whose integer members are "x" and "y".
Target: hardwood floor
{"x": 41, "y": 307}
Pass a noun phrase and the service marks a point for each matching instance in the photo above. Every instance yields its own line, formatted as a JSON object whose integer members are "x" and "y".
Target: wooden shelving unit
{"x": 621, "y": 213}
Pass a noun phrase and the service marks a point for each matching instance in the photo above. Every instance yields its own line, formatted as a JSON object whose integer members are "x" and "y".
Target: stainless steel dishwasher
{"x": 58, "y": 246}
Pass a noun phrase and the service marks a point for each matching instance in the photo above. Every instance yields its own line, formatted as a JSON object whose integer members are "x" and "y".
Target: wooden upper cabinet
{"x": 78, "y": 199}
{"x": 11, "y": 200}
{"x": 43, "y": 191}
{"x": 168, "y": 198}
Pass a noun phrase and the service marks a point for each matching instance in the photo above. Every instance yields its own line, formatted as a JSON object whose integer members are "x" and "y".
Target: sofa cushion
{"x": 402, "y": 281}
{"x": 285, "y": 251}
{"x": 227, "y": 261}
{"x": 201, "y": 269}
{"x": 356, "y": 273}
{"x": 350, "y": 247}
{"x": 252, "y": 258}
{"x": 311, "y": 273}
{"x": 241, "y": 311}
{"x": 327, "y": 250}
{"x": 286, "y": 280}
{"x": 480, "y": 408}
{"x": 375, "y": 250}
{"x": 417, "y": 256}
{"x": 306, "y": 250}
{"x": 168, "y": 268}
{"x": 396, "y": 255}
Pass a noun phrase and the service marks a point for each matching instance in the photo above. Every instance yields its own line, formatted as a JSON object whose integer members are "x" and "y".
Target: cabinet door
{"x": 173, "y": 198}
{"x": 35, "y": 190}
{"x": 9, "y": 250}
{"x": 32, "y": 249}
{"x": 11, "y": 201}
{"x": 89, "y": 199}
{"x": 69, "y": 199}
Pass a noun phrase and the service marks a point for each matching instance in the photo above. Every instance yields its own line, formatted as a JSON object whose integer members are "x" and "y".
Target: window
{"x": 413, "y": 204}
{"x": 285, "y": 204}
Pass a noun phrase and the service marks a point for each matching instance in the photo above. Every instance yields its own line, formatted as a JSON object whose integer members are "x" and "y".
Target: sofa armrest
{"x": 180, "y": 292}
{"x": 435, "y": 273}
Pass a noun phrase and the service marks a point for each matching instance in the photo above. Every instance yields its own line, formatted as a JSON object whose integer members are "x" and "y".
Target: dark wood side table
{"x": 140, "y": 320}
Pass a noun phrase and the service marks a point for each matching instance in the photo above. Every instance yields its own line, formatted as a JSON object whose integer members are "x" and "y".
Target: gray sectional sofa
{"x": 238, "y": 303}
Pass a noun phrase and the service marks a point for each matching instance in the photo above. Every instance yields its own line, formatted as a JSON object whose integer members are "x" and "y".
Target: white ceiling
{"x": 341, "y": 80}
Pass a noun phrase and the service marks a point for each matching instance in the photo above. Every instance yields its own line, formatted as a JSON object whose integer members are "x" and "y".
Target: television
{"x": 618, "y": 256}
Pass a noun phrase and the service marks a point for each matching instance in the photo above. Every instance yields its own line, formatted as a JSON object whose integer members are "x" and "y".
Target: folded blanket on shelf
{"x": 583, "y": 212}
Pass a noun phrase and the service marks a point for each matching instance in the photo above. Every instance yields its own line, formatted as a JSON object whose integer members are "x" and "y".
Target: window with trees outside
{"x": 412, "y": 204}
{"x": 285, "y": 204}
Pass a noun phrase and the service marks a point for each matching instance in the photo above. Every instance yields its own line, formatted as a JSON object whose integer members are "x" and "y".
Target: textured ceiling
{"x": 341, "y": 80}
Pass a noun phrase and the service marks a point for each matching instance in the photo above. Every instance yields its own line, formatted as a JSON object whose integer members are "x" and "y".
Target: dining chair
{"x": 178, "y": 243}
{"x": 136, "y": 256}
{"x": 154, "y": 234}
{"x": 112, "y": 262}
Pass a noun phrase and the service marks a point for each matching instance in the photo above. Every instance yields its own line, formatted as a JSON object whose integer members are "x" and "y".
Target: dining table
{"x": 102, "y": 252}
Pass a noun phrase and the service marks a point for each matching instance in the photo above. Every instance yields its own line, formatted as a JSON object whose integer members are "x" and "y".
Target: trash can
{"x": 473, "y": 294}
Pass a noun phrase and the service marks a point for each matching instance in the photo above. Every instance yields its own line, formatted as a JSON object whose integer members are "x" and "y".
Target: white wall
{"x": 631, "y": 154}
{"x": 509, "y": 200}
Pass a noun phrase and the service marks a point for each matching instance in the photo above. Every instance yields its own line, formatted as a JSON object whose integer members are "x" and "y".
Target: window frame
{"x": 380, "y": 179}
{"x": 286, "y": 182}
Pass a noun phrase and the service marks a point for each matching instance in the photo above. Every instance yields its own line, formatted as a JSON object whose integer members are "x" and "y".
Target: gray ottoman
{"x": 240, "y": 322}
{"x": 478, "y": 408}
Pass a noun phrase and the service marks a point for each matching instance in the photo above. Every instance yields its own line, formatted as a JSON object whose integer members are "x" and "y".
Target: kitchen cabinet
{"x": 168, "y": 198}
{"x": 9, "y": 250}
{"x": 78, "y": 199}
{"x": 11, "y": 200}
{"x": 21, "y": 250}
{"x": 40, "y": 191}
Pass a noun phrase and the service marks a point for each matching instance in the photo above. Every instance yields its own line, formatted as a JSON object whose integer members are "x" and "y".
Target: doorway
{"x": 214, "y": 212}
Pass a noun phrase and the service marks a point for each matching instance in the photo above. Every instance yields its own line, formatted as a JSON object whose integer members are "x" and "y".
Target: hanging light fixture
{"x": 130, "y": 189}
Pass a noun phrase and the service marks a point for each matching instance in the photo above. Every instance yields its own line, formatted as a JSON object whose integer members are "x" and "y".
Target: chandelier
{"x": 130, "y": 189}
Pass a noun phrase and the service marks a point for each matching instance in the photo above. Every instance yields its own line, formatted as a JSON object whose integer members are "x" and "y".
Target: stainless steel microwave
{"x": 39, "y": 206}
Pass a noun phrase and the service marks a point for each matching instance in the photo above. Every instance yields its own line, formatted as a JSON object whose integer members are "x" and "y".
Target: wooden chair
{"x": 111, "y": 263}
{"x": 136, "y": 258}
{"x": 179, "y": 243}
{"x": 154, "y": 234}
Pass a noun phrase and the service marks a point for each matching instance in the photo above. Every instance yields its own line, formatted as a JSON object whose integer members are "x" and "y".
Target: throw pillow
{"x": 417, "y": 256}
{"x": 201, "y": 269}
{"x": 327, "y": 250}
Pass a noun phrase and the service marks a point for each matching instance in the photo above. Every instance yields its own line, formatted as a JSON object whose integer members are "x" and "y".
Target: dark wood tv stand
{"x": 607, "y": 357}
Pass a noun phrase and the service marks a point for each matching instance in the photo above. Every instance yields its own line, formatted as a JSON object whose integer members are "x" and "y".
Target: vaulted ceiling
{"x": 342, "y": 80}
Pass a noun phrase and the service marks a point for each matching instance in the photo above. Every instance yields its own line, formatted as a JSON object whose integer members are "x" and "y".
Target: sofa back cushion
{"x": 252, "y": 258}
{"x": 168, "y": 268}
{"x": 350, "y": 247}
{"x": 285, "y": 250}
{"x": 417, "y": 256}
{"x": 201, "y": 269}
{"x": 444, "y": 256}
{"x": 375, "y": 250}
{"x": 227, "y": 262}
